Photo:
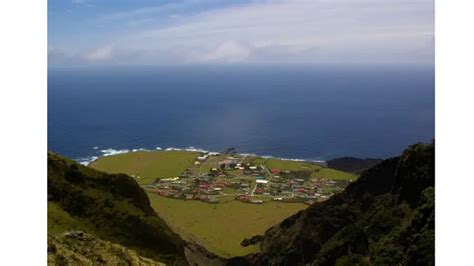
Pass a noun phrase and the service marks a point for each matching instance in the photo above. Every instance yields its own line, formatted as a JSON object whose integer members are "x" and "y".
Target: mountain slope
{"x": 78, "y": 248}
{"x": 110, "y": 207}
{"x": 386, "y": 217}
{"x": 352, "y": 165}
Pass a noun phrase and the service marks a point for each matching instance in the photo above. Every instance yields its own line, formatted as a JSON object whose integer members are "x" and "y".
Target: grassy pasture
{"x": 333, "y": 174}
{"x": 148, "y": 164}
{"x": 221, "y": 227}
{"x": 318, "y": 171}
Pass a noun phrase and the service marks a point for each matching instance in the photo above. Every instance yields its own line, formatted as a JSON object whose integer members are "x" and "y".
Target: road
{"x": 253, "y": 190}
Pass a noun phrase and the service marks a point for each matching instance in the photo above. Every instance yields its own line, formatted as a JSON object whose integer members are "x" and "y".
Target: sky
{"x": 176, "y": 32}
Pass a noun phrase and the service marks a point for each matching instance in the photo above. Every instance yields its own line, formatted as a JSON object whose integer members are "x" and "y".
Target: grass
{"x": 318, "y": 171}
{"x": 60, "y": 221}
{"x": 285, "y": 164}
{"x": 221, "y": 227}
{"x": 333, "y": 174}
{"x": 147, "y": 165}
{"x": 218, "y": 227}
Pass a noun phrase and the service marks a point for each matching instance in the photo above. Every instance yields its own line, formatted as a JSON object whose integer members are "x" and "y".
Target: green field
{"x": 333, "y": 174}
{"x": 218, "y": 227}
{"x": 221, "y": 227}
{"x": 147, "y": 165}
{"x": 318, "y": 171}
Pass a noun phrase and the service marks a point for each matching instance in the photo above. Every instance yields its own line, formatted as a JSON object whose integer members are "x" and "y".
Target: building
{"x": 203, "y": 157}
{"x": 275, "y": 171}
{"x": 256, "y": 201}
{"x": 171, "y": 179}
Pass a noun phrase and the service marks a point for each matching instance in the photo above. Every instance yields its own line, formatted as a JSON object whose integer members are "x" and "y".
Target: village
{"x": 214, "y": 175}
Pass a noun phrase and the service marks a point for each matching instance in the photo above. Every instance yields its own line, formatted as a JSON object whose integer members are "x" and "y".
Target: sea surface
{"x": 298, "y": 112}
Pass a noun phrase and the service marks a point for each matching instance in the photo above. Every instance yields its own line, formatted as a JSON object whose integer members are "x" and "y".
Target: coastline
{"x": 111, "y": 152}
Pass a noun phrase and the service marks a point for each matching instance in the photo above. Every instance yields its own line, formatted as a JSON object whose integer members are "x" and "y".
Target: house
{"x": 275, "y": 171}
{"x": 254, "y": 201}
{"x": 244, "y": 184}
{"x": 171, "y": 179}
{"x": 244, "y": 198}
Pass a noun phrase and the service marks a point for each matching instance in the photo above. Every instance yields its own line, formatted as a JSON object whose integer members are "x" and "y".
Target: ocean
{"x": 295, "y": 111}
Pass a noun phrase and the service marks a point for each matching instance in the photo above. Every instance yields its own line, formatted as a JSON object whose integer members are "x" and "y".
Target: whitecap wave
{"x": 110, "y": 152}
{"x": 86, "y": 160}
{"x": 173, "y": 149}
{"x": 248, "y": 154}
{"x": 193, "y": 149}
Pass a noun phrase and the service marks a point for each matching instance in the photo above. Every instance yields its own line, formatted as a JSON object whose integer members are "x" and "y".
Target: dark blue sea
{"x": 301, "y": 112}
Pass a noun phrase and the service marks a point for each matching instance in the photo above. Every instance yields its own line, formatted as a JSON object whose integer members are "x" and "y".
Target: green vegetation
{"x": 221, "y": 227}
{"x": 283, "y": 164}
{"x": 205, "y": 223}
{"x": 112, "y": 207}
{"x": 333, "y": 174}
{"x": 386, "y": 217}
{"x": 316, "y": 170}
{"x": 78, "y": 248}
{"x": 60, "y": 221}
{"x": 147, "y": 165}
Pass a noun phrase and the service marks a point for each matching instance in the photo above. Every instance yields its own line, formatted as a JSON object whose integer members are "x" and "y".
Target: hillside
{"x": 351, "y": 164}
{"x": 111, "y": 207}
{"x": 386, "y": 217}
{"x": 78, "y": 248}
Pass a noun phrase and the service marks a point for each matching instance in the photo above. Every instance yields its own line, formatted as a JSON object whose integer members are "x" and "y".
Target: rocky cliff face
{"x": 384, "y": 218}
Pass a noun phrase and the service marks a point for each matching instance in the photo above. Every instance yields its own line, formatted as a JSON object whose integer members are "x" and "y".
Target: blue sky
{"x": 88, "y": 32}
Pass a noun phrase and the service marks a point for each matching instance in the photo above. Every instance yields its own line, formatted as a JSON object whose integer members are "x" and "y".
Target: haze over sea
{"x": 297, "y": 111}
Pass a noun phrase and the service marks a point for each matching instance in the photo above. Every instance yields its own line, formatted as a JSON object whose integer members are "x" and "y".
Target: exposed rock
{"x": 79, "y": 248}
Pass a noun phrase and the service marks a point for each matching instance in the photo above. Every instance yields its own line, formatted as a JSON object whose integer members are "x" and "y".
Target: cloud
{"x": 229, "y": 52}
{"x": 79, "y": 1}
{"x": 306, "y": 31}
{"x": 99, "y": 54}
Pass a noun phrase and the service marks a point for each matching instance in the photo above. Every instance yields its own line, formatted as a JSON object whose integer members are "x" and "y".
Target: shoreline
{"x": 111, "y": 152}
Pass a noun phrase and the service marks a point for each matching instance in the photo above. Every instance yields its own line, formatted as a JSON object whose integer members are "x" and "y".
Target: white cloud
{"x": 79, "y": 1}
{"x": 229, "y": 52}
{"x": 308, "y": 31}
{"x": 99, "y": 54}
